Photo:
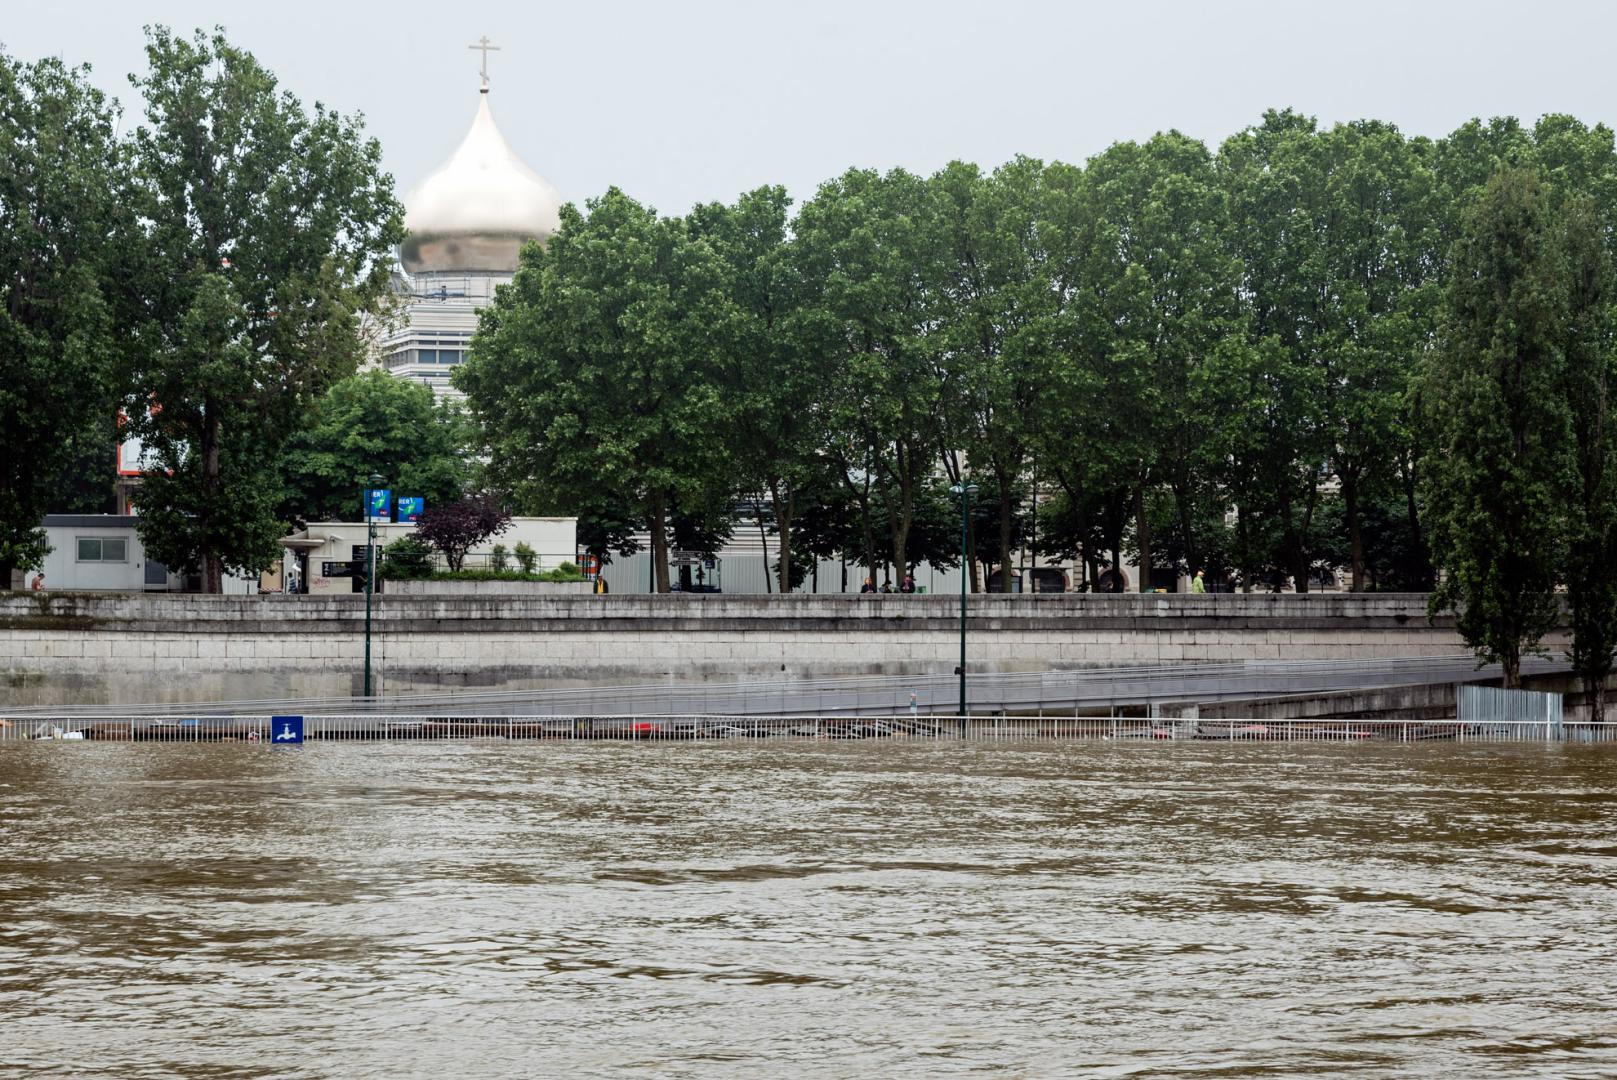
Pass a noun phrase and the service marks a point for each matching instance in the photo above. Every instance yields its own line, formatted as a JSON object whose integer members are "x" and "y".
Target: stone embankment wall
{"x": 94, "y": 648}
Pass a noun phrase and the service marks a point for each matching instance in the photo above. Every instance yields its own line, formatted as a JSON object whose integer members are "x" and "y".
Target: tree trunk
{"x": 1350, "y": 506}
{"x": 659, "y": 543}
{"x": 1299, "y": 565}
{"x": 1086, "y": 554}
{"x": 212, "y": 564}
{"x": 1241, "y": 546}
{"x": 976, "y": 583}
{"x": 870, "y": 547}
{"x": 1595, "y": 689}
{"x": 1511, "y": 661}
{"x": 1007, "y": 520}
{"x": 763, "y": 540}
{"x": 1301, "y": 556}
{"x": 899, "y": 520}
{"x": 1142, "y": 534}
{"x": 1181, "y": 498}
{"x": 783, "y": 538}
{"x": 1426, "y": 578}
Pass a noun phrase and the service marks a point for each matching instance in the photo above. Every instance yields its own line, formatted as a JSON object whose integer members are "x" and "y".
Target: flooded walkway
{"x": 832, "y": 908}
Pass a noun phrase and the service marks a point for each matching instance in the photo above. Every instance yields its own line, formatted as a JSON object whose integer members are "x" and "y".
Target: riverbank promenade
{"x": 81, "y": 648}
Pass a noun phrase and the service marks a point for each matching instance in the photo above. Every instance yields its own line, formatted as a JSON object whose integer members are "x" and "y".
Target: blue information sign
{"x": 410, "y": 507}
{"x": 286, "y": 730}
{"x": 378, "y": 503}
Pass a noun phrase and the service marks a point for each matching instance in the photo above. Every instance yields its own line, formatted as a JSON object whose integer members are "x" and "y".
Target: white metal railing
{"x": 700, "y": 727}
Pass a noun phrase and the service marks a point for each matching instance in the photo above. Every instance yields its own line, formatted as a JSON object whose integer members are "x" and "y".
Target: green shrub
{"x": 406, "y": 559}
{"x": 526, "y": 558}
{"x": 498, "y": 557}
{"x": 557, "y": 574}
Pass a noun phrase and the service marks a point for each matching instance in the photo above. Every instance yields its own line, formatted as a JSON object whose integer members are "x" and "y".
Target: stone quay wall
{"x": 83, "y": 648}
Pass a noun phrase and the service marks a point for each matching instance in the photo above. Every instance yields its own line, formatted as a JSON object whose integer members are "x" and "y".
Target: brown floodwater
{"x": 839, "y": 909}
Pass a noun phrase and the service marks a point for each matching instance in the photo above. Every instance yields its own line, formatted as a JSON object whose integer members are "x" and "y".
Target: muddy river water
{"x": 838, "y": 909}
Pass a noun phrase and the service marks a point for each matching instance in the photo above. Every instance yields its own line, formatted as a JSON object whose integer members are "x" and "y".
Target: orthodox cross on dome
{"x": 486, "y": 48}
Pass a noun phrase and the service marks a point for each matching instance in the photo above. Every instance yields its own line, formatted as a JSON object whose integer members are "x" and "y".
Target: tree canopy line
{"x": 1316, "y": 348}
{"x": 1313, "y": 348}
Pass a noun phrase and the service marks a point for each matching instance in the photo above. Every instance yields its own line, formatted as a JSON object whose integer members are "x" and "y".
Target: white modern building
{"x": 467, "y": 222}
{"x": 103, "y": 553}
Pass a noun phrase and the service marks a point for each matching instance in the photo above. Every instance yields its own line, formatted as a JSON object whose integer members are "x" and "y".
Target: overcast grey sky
{"x": 685, "y": 102}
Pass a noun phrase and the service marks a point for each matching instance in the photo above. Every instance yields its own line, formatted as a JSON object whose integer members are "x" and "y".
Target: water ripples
{"x": 838, "y": 910}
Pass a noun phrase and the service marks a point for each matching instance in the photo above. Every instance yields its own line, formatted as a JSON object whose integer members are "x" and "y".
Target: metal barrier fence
{"x": 1490, "y": 704}
{"x": 660, "y": 728}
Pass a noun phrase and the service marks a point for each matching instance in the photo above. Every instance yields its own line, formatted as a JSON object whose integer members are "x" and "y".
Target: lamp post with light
{"x": 965, "y": 491}
{"x": 370, "y": 571}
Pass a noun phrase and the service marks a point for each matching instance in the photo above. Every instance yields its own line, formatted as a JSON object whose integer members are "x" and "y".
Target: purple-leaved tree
{"x": 458, "y": 527}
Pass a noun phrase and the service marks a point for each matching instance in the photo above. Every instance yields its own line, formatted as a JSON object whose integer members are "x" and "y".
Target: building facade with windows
{"x": 466, "y": 223}
{"x": 103, "y": 553}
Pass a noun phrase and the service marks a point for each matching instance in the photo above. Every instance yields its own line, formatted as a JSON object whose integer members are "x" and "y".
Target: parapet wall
{"x": 122, "y": 648}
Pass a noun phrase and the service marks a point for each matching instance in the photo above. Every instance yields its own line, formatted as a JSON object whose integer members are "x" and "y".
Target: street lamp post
{"x": 370, "y": 573}
{"x": 965, "y": 491}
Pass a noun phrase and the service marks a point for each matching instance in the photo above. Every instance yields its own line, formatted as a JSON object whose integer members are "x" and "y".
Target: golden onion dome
{"x": 477, "y": 209}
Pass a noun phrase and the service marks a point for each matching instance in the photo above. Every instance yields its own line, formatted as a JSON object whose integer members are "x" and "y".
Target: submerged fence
{"x": 696, "y": 728}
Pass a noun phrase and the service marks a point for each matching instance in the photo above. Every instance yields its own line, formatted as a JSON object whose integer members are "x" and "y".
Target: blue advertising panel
{"x": 378, "y": 503}
{"x": 410, "y": 507}
{"x": 286, "y": 730}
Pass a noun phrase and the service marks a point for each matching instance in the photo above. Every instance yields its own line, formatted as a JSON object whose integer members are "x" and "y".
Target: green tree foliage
{"x": 1077, "y": 441}
{"x": 375, "y": 423}
{"x": 598, "y": 374}
{"x": 874, "y": 244}
{"x": 406, "y": 558}
{"x": 268, "y": 229}
{"x": 1504, "y": 458}
{"x": 61, "y": 220}
{"x": 1591, "y": 575}
{"x": 1004, "y": 302}
{"x": 1160, "y": 302}
{"x": 779, "y": 362}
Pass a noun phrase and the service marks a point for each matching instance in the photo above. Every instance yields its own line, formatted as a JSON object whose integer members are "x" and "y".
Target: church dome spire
{"x": 477, "y": 209}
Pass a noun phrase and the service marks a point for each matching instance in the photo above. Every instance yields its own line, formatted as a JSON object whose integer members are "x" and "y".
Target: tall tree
{"x": 1078, "y": 442}
{"x": 371, "y": 423}
{"x": 873, "y": 242}
{"x": 598, "y": 373}
{"x": 1162, "y": 296}
{"x": 1275, "y": 179}
{"x": 1376, "y": 310}
{"x": 269, "y": 231}
{"x": 1591, "y": 373}
{"x": 1001, "y": 327}
{"x": 60, "y": 215}
{"x": 1504, "y": 460}
{"x": 1581, "y": 165}
{"x": 781, "y": 359}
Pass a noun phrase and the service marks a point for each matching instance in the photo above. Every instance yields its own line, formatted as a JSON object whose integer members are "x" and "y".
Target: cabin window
{"x": 103, "y": 549}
